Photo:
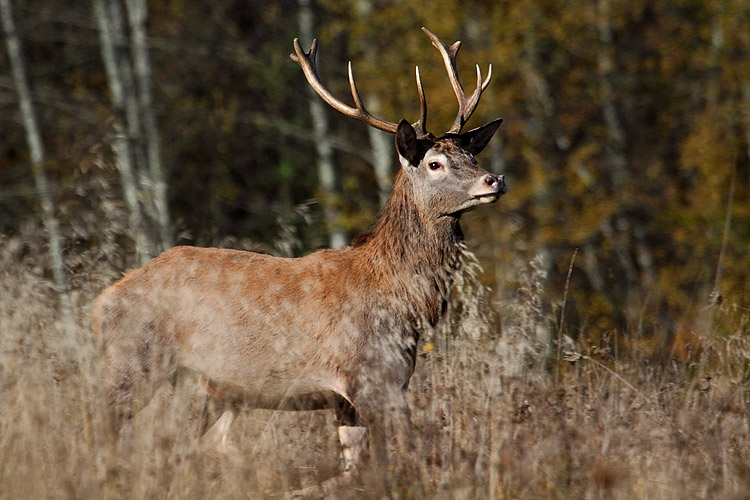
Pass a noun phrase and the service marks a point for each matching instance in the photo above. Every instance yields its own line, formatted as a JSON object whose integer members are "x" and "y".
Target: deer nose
{"x": 497, "y": 182}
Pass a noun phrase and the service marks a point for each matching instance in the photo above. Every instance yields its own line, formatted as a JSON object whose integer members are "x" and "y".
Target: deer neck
{"x": 413, "y": 256}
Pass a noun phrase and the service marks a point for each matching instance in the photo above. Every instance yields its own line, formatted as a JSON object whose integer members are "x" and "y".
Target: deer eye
{"x": 435, "y": 165}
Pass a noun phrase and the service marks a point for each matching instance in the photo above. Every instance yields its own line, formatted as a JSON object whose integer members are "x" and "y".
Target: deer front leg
{"x": 393, "y": 461}
{"x": 403, "y": 460}
{"x": 352, "y": 436}
{"x": 402, "y": 426}
{"x": 353, "y": 439}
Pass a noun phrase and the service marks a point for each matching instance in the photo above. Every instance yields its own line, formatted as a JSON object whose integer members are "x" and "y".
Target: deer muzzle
{"x": 496, "y": 182}
{"x": 490, "y": 187}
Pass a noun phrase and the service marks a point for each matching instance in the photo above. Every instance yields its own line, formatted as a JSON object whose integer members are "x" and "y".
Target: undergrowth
{"x": 506, "y": 405}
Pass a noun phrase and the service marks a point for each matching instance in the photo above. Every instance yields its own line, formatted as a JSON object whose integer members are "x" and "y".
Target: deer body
{"x": 244, "y": 319}
{"x": 335, "y": 329}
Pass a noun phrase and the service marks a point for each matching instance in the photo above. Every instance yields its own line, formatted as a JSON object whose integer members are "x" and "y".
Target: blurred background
{"x": 128, "y": 127}
{"x": 602, "y": 351}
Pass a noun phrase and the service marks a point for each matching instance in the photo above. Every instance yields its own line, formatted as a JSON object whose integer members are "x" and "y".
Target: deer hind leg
{"x": 133, "y": 369}
{"x": 216, "y": 437}
{"x": 124, "y": 392}
{"x": 128, "y": 388}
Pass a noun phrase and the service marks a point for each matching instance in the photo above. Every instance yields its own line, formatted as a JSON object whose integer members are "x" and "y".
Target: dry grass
{"x": 497, "y": 416}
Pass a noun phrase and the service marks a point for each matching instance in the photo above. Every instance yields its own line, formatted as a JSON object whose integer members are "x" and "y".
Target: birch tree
{"x": 137, "y": 13}
{"x": 380, "y": 142}
{"x": 382, "y": 153}
{"x": 326, "y": 171}
{"x": 37, "y": 156}
{"x": 615, "y": 139}
{"x": 125, "y": 156}
{"x": 136, "y": 141}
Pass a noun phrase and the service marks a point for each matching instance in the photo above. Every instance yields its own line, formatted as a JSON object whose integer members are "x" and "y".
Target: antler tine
{"x": 466, "y": 104}
{"x": 355, "y": 92}
{"x": 489, "y": 76}
{"x": 306, "y": 61}
{"x": 422, "y": 123}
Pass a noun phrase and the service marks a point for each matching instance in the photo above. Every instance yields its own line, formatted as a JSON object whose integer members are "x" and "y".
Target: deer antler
{"x": 306, "y": 61}
{"x": 466, "y": 104}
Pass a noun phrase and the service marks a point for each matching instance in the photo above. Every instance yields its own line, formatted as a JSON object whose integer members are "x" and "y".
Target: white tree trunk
{"x": 381, "y": 144}
{"x": 121, "y": 48}
{"x": 326, "y": 171}
{"x": 542, "y": 122}
{"x": 37, "y": 155}
{"x": 121, "y": 144}
{"x": 137, "y": 13}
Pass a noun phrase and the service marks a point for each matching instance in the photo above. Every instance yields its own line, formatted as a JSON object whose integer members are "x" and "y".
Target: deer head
{"x": 443, "y": 171}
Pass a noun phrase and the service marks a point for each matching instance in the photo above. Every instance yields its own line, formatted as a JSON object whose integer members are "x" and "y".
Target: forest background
{"x": 626, "y": 139}
{"x": 126, "y": 128}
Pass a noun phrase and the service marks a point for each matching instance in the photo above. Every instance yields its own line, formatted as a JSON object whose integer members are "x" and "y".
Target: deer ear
{"x": 406, "y": 141}
{"x": 475, "y": 140}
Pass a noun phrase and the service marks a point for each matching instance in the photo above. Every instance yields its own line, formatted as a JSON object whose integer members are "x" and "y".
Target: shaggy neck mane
{"x": 411, "y": 255}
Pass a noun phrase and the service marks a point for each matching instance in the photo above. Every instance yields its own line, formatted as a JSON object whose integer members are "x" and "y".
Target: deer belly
{"x": 265, "y": 379}
{"x": 292, "y": 397}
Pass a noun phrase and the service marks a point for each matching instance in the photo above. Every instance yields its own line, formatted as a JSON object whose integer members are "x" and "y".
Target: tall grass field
{"x": 505, "y": 405}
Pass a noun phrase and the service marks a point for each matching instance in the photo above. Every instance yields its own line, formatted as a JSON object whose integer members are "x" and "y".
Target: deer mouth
{"x": 489, "y": 197}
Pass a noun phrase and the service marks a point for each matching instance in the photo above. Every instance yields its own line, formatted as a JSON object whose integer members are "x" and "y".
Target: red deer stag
{"x": 336, "y": 329}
